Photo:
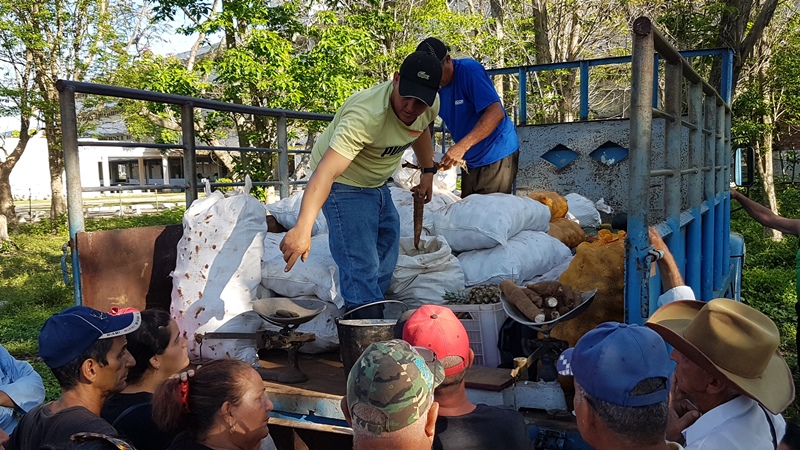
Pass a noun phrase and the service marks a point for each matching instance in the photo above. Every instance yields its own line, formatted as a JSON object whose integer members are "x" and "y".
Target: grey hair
{"x": 640, "y": 425}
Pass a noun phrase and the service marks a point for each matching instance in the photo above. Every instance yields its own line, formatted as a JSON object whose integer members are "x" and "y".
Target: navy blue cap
{"x": 609, "y": 361}
{"x": 68, "y": 334}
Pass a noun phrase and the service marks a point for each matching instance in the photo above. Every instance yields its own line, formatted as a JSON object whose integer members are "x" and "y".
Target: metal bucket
{"x": 355, "y": 335}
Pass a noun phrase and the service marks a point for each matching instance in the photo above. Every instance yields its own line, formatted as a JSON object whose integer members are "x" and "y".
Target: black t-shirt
{"x": 184, "y": 442}
{"x": 136, "y": 426}
{"x": 40, "y": 427}
{"x": 487, "y": 427}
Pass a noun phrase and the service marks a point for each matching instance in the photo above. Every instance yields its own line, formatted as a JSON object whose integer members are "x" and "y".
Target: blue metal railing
{"x": 584, "y": 67}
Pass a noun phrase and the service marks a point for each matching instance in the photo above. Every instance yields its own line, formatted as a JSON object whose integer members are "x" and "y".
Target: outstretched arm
{"x": 297, "y": 241}
{"x": 490, "y": 118}
{"x": 765, "y": 216}
{"x": 671, "y": 280}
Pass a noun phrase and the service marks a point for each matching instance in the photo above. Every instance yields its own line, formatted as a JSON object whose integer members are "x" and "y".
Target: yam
{"x": 554, "y": 201}
{"x": 419, "y": 208}
{"x": 534, "y": 296}
{"x": 546, "y": 288}
{"x": 518, "y": 298}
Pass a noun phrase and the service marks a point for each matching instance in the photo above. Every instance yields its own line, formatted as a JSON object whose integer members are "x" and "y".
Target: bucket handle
{"x": 371, "y": 304}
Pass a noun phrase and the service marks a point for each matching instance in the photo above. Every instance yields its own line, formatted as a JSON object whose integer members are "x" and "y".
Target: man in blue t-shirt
{"x": 484, "y": 135}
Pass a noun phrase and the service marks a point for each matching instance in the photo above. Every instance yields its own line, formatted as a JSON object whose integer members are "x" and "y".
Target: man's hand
{"x": 295, "y": 244}
{"x": 425, "y": 187}
{"x": 682, "y": 413}
{"x": 736, "y": 195}
{"x": 454, "y": 155}
{"x": 655, "y": 240}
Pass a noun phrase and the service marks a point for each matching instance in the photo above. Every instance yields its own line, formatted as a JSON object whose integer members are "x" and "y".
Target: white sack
{"x": 485, "y": 221}
{"x": 407, "y": 177}
{"x": 217, "y": 272}
{"x": 527, "y": 255}
{"x": 582, "y": 210}
{"x": 554, "y": 273}
{"x": 286, "y": 211}
{"x": 423, "y": 276}
{"x": 404, "y": 202}
{"x": 318, "y": 276}
{"x": 323, "y": 326}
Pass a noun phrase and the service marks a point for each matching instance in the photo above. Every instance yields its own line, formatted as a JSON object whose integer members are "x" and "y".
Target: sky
{"x": 171, "y": 44}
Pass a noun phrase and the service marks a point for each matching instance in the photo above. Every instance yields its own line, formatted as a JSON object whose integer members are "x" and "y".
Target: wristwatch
{"x": 431, "y": 169}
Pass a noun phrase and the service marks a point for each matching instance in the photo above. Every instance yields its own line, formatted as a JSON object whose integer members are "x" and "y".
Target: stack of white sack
{"x": 286, "y": 211}
{"x": 424, "y": 275}
{"x": 526, "y": 256}
{"x": 583, "y": 211}
{"x": 317, "y": 278}
{"x": 486, "y": 221}
{"x": 217, "y": 272}
{"x": 408, "y": 177}
{"x": 498, "y": 237}
{"x": 403, "y": 200}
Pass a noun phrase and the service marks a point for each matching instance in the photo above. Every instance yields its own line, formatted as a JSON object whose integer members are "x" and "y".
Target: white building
{"x": 103, "y": 166}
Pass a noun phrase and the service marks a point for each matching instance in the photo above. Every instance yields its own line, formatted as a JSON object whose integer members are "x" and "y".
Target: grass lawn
{"x": 31, "y": 285}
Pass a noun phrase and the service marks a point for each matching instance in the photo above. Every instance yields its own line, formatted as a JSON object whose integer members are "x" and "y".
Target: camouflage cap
{"x": 393, "y": 380}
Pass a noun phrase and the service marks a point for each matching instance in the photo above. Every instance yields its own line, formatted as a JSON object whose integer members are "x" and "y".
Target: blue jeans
{"x": 364, "y": 239}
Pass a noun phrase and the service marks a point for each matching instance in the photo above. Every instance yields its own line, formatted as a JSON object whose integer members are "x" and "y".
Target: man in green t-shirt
{"x": 352, "y": 160}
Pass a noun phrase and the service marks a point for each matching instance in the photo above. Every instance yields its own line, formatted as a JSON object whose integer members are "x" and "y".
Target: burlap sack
{"x": 599, "y": 265}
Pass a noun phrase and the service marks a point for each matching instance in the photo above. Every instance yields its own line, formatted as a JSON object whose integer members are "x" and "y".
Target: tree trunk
{"x": 541, "y": 32}
{"x": 737, "y": 32}
{"x": 497, "y": 15}
{"x": 7, "y": 208}
{"x": 765, "y": 164}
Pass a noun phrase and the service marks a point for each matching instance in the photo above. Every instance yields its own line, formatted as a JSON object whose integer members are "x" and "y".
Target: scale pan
{"x": 517, "y": 315}
{"x": 306, "y": 309}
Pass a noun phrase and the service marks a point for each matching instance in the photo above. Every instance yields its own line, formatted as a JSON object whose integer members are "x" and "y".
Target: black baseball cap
{"x": 435, "y": 47}
{"x": 420, "y": 76}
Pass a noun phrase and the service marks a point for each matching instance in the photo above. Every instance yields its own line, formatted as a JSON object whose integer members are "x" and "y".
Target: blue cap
{"x": 609, "y": 361}
{"x": 69, "y": 333}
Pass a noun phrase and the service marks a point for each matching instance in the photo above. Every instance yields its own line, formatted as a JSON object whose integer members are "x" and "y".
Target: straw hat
{"x": 731, "y": 340}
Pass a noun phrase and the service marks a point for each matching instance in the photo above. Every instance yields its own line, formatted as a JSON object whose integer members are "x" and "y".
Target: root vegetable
{"x": 518, "y": 298}
{"x": 286, "y": 314}
{"x": 546, "y": 288}
{"x": 552, "y": 302}
{"x": 419, "y": 209}
{"x": 535, "y": 298}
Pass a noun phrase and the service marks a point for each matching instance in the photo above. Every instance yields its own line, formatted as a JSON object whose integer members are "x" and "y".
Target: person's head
{"x": 437, "y": 328}
{"x": 157, "y": 346}
{"x": 621, "y": 385}
{"x": 791, "y": 438}
{"x": 441, "y": 52}
{"x": 415, "y": 86}
{"x": 224, "y": 400}
{"x": 389, "y": 400}
{"x": 81, "y": 345}
{"x": 724, "y": 348}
